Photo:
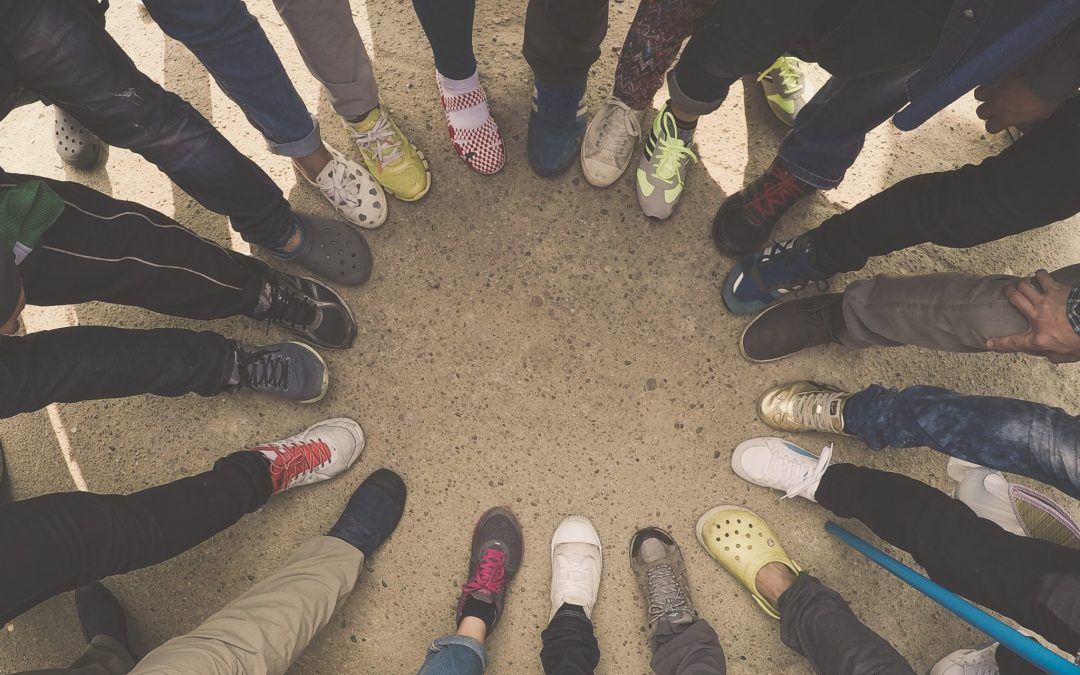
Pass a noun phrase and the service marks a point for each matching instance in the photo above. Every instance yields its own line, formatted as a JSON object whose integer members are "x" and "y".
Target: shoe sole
{"x": 427, "y": 170}
{"x": 341, "y": 301}
{"x": 727, "y": 295}
{"x": 742, "y": 337}
{"x": 325, "y": 374}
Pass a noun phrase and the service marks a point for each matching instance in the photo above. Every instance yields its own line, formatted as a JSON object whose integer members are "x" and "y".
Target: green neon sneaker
{"x": 786, "y": 88}
{"x": 661, "y": 171}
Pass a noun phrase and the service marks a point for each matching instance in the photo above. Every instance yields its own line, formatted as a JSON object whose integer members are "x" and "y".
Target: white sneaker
{"x": 968, "y": 662}
{"x": 610, "y": 140}
{"x": 775, "y": 463}
{"x": 352, "y": 191}
{"x": 986, "y": 492}
{"x": 576, "y": 561}
{"x": 317, "y": 453}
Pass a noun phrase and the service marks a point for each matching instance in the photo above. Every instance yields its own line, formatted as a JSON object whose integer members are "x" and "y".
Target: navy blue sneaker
{"x": 760, "y": 279}
{"x": 556, "y": 126}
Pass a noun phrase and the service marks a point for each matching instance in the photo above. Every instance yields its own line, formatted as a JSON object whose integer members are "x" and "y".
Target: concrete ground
{"x": 529, "y": 342}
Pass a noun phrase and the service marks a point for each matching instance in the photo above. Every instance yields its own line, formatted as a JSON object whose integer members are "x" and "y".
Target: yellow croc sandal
{"x": 743, "y": 543}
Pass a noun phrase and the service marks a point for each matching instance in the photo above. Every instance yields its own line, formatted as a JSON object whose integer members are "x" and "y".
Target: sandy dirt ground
{"x": 528, "y": 342}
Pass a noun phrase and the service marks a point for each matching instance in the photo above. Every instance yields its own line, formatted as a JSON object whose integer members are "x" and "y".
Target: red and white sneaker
{"x": 317, "y": 453}
{"x": 481, "y": 147}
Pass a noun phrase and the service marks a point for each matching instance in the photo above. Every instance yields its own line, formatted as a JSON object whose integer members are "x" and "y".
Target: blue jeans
{"x": 455, "y": 655}
{"x": 1029, "y": 439}
{"x": 65, "y": 56}
{"x": 831, "y": 128}
{"x": 232, "y": 45}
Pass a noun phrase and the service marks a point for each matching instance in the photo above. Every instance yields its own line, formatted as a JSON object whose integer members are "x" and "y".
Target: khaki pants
{"x": 264, "y": 630}
{"x": 333, "y": 51}
{"x": 953, "y": 312}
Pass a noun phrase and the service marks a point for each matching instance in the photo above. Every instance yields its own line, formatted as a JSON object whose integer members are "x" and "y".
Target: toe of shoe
{"x": 575, "y": 529}
{"x": 600, "y": 174}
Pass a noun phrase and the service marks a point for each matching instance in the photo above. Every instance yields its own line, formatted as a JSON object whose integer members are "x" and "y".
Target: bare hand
{"x": 11, "y": 326}
{"x": 1011, "y": 103}
{"x": 1046, "y": 309}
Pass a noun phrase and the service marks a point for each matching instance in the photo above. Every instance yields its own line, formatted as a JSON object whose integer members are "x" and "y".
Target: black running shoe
{"x": 309, "y": 308}
{"x": 497, "y": 548}
{"x": 745, "y": 221}
{"x": 290, "y": 370}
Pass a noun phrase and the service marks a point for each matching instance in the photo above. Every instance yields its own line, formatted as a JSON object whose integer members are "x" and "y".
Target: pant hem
{"x": 299, "y": 148}
{"x": 687, "y": 104}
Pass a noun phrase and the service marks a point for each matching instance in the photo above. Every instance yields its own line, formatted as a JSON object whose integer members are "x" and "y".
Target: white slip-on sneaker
{"x": 576, "y": 562}
{"x": 609, "y": 143}
{"x": 778, "y": 464}
{"x": 352, "y": 191}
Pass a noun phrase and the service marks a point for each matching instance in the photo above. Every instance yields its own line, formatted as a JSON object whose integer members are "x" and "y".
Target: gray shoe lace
{"x": 812, "y": 409}
{"x": 617, "y": 126}
{"x": 666, "y": 594}
{"x": 381, "y": 141}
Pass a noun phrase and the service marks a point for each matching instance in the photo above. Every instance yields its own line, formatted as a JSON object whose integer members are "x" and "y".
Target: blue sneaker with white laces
{"x": 760, "y": 279}
{"x": 556, "y": 126}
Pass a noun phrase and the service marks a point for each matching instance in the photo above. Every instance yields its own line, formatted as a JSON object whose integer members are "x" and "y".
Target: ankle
{"x": 477, "y": 619}
{"x": 773, "y": 580}
{"x": 312, "y": 165}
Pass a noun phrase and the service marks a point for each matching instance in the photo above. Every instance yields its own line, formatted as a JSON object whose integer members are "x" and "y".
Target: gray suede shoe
{"x": 331, "y": 249}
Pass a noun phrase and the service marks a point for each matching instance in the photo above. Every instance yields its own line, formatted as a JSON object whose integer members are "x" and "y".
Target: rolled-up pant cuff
{"x": 805, "y": 175}
{"x": 462, "y": 641}
{"x": 299, "y": 148}
{"x": 687, "y": 104}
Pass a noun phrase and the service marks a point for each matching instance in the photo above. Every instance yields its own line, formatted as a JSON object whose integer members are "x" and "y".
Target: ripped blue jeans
{"x": 1021, "y": 437}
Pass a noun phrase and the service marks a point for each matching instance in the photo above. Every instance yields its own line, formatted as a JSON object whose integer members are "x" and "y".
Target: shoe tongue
{"x": 653, "y": 550}
{"x": 679, "y": 617}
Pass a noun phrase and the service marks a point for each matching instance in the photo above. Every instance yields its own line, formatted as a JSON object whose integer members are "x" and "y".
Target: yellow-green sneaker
{"x": 786, "y": 88}
{"x": 396, "y": 164}
{"x": 661, "y": 172}
{"x": 743, "y": 543}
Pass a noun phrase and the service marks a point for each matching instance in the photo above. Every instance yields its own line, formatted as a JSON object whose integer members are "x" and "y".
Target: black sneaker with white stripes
{"x": 289, "y": 370}
{"x": 310, "y": 309}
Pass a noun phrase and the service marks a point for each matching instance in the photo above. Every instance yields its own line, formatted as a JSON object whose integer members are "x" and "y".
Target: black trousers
{"x": 1030, "y": 184}
{"x": 58, "y": 542}
{"x": 124, "y": 253}
{"x": 1032, "y": 581}
{"x": 570, "y": 646}
{"x": 562, "y": 38}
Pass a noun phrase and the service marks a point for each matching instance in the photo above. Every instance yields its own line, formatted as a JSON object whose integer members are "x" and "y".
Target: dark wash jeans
{"x": 64, "y": 55}
{"x": 1021, "y": 437}
{"x": 1031, "y": 581}
{"x": 1030, "y": 184}
{"x": 55, "y": 543}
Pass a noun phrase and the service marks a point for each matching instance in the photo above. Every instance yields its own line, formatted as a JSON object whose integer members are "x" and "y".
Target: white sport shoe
{"x": 968, "y": 662}
{"x": 317, "y": 453}
{"x": 576, "y": 561}
{"x": 775, "y": 463}
{"x": 610, "y": 140}
{"x": 986, "y": 492}
{"x": 352, "y": 191}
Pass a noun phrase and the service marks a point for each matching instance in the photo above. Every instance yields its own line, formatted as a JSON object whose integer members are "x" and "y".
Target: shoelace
{"x": 575, "y": 571}
{"x": 341, "y": 188}
{"x": 778, "y": 192}
{"x": 812, "y": 408}
{"x": 783, "y": 268}
{"x": 977, "y": 663}
{"x": 490, "y": 573}
{"x": 666, "y": 594}
{"x": 290, "y": 306}
{"x": 264, "y": 369}
{"x": 382, "y": 141}
{"x": 788, "y": 70}
{"x": 783, "y": 469}
{"x": 295, "y": 460}
{"x": 617, "y": 126}
{"x": 670, "y": 151}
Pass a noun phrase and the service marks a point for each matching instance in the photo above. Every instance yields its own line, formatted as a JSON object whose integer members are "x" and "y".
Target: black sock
{"x": 485, "y": 611}
{"x": 686, "y": 129}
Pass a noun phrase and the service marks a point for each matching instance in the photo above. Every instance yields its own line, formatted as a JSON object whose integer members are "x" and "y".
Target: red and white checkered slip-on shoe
{"x": 482, "y": 148}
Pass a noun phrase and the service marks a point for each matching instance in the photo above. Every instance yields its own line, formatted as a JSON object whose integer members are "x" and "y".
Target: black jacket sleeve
{"x": 1054, "y": 73}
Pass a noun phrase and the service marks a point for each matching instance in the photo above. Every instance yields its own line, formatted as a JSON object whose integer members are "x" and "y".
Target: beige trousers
{"x": 264, "y": 630}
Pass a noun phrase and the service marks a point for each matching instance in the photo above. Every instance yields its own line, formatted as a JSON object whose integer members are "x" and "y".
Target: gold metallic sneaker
{"x": 743, "y": 543}
{"x": 396, "y": 164}
{"x": 804, "y": 406}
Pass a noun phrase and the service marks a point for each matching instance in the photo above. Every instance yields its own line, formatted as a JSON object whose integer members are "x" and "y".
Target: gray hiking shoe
{"x": 785, "y": 88}
{"x": 289, "y": 370}
{"x": 658, "y": 565}
{"x": 76, "y": 146}
{"x": 661, "y": 172}
{"x": 331, "y": 249}
{"x": 310, "y": 309}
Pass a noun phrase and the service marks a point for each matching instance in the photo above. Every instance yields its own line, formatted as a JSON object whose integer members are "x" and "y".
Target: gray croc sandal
{"x": 76, "y": 146}
{"x": 333, "y": 250}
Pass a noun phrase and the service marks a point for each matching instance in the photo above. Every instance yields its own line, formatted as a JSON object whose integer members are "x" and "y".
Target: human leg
{"x": 570, "y": 646}
{"x": 448, "y": 25}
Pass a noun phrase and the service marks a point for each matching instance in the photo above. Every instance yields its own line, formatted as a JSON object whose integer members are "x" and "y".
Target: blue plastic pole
{"x": 1028, "y": 649}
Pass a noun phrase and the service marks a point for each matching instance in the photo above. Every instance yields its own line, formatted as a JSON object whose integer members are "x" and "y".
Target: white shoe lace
{"x": 812, "y": 409}
{"x": 339, "y": 188}
{"x": 785, "y": 469}
{"x": 381, "y": 141}
{"x": 574, "y": 577}
{"x": 618, "y": 125}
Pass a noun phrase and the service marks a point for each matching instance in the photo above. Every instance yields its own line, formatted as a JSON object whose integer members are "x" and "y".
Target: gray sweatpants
{"x": 954, "y": 312}
{"x": 326, "y": 35}
{"x": 814, "y": 621}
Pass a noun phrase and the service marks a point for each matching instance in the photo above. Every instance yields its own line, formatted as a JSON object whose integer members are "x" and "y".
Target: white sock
{"x": 469, "y": 118}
